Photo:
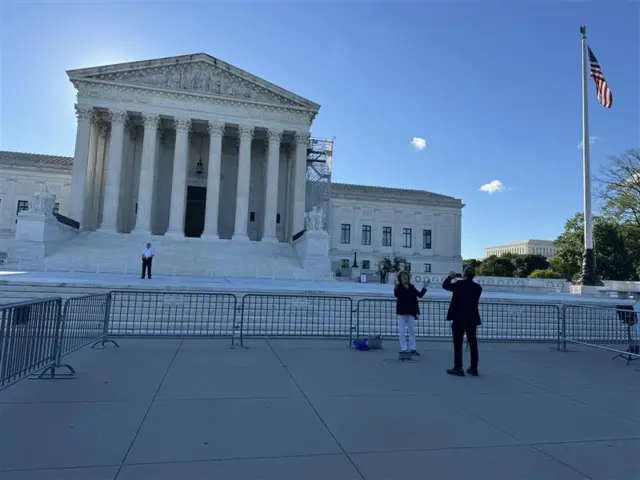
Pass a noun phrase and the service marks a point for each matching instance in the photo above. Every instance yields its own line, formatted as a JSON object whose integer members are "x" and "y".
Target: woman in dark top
{"x": 407, "y": 310}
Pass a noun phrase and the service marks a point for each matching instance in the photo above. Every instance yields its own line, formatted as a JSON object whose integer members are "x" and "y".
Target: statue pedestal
{"x": 37, "y": 234}
{"x": 355, "y": 273}
{"x": 313, "y": 251}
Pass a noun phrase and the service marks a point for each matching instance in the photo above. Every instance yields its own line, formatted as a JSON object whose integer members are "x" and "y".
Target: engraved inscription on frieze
{"x": 197, "y": 77}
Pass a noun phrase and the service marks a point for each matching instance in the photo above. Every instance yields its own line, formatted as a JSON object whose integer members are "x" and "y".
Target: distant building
{"x": 546, "y": 248}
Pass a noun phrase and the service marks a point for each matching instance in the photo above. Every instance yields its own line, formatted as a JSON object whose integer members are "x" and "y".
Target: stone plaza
{"x": 157, "y": 409}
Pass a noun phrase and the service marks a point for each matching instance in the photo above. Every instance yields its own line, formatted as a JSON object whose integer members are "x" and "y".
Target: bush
{"x": 548, "y": 273}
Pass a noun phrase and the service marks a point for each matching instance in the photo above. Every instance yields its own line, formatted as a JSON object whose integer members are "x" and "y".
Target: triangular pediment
{"x": 201, "y": 74}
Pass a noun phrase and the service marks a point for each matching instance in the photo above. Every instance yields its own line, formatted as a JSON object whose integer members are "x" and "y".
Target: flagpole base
{"x": 588, "y": 275}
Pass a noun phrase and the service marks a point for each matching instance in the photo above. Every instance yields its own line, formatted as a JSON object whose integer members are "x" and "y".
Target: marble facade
{"x": 163, "y": 141}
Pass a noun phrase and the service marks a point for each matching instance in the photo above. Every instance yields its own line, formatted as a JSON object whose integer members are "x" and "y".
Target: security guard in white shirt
{"x": 147, "y": 258}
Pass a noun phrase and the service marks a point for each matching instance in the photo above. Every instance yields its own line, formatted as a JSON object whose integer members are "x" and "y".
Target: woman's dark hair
{"x": 400, "y": 275}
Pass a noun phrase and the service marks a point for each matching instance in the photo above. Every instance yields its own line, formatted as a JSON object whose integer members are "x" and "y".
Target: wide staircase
{"x": 97, "y": 252}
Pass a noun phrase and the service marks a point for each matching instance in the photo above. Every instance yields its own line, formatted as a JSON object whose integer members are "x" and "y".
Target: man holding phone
{"x": 464, "y": 316}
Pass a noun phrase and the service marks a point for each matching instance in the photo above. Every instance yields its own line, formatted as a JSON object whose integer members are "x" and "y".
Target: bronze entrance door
{"x": 194, "y": 215}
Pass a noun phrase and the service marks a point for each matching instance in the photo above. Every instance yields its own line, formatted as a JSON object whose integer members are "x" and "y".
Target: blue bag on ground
{"x": 361, "y": 344}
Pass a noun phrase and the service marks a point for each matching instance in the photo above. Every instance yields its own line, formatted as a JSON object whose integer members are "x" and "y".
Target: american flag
{"x": 605, "y": 97}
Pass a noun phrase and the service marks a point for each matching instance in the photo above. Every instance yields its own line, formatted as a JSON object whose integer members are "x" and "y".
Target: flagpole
{"x": 588, "y": 276}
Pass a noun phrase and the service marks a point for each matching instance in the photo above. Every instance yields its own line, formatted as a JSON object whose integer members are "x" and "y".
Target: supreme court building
{"x": 191, "y": 146}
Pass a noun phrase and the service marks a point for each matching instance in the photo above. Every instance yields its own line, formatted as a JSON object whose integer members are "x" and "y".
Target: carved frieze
{"x": 200, "y": 77}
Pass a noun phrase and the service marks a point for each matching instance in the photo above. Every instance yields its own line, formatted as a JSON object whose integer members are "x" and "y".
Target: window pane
{"x": 426, "y": 239}
{"x": 406, "y": 233}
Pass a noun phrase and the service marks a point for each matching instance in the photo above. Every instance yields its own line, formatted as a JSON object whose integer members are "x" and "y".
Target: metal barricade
{"x": 613, "y": 329}
{"x": 85, "y": 321}
{"x": 296, "y": 316}
{"x": 138, "y": 313}
{"x": 500, "y": 321}
{"x": 29, "y": 340}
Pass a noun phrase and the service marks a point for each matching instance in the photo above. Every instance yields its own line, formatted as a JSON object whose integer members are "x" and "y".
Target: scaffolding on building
{"x": 319, "y": 163}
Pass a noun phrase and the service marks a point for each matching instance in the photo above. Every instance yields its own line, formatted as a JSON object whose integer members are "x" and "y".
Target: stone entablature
{"x": 193, "y": 83}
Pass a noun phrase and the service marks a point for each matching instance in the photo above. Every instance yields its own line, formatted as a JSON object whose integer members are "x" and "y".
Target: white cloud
{"x": 419, "y": 143}
{"x": 592, "y": 139}
{"x": 494, "y": 186}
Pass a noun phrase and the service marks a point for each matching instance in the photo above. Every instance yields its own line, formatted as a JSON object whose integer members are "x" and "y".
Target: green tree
{"x": 535, "y": 262}
{"x": 619, "y": 187}
{"x": 472, "y": 262}
{"x": 495, "y": 266}
{"x": 613, "y": 256}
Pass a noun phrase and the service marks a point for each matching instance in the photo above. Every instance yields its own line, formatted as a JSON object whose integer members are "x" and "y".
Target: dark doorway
{"x": 196, "y": 207}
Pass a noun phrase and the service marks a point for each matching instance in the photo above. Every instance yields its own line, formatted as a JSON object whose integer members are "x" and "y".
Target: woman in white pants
{"x": 407, "y": 310}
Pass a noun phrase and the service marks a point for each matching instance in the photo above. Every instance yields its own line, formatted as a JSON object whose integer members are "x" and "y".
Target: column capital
{"x": 301, "y": 138}
{"x": 182, "y": 124}
{"x": 84, "y": 112}
{"x": 274, "y": 136}
{"x": 216, "y": 128}
{"x": 151, "y": 120}
{"x": 246, "y": 132}
{"x": 118, "y": 116}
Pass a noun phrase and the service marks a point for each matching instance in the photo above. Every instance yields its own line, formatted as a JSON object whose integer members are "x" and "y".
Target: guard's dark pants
{"x": 459, "y": 329}
{"x": 146, "y": 266}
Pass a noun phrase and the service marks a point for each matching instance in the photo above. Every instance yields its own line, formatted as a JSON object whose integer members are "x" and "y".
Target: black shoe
{"x": 415, "y": 352}
{"x": 141, "y": 278}
{"x": 456, "y": 372}
{"x": 472, "y": 371}
{"x": 149, "y": 278}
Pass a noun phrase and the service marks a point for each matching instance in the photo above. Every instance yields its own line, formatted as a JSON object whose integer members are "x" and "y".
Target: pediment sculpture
{"x": 314, "y": 220}
{"x": 43, "y": 201}
{"x": 197, "y": 77}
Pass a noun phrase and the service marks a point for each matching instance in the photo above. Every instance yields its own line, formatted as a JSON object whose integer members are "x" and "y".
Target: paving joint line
{"x": 146, "y": 414}
{"x": 308, "y": 400}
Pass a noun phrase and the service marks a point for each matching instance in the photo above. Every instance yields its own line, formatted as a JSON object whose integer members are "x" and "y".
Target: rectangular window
{"x": 386, "y": 236}
{"x": 344, "y": 263}
{"x": 23, "y": 205}
{"x": 56, "y": 208}
{"x": 366, "y": 234}
{"x": 407, "y": 267}
{"x": 427, "y": 268}
{"x": 406, "y": 234}
{"x": 277, "y": 218}
{"x": 366, "y": 264}
{"x": 252, "y": 216}
{"x": 345, "y": 233}
{"x": 426, "y": 239}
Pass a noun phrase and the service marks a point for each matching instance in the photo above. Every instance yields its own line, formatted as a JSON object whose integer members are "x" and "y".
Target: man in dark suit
{"x": 464, "y": 317}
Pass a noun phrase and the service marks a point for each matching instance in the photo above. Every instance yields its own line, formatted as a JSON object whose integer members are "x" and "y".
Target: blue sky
{"x": 494, "y": 88}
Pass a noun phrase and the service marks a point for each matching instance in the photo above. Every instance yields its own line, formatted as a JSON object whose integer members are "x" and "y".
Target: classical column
{"x": 216, "y": 132}
{"x": 300, "y": 181}
{"x": 245, "y": 136}
{"x": 147, "y": 173}
{"x": 179, "y": 180}
{"x": 114, "y": 172}
{"x": 90, "y": 186}
{"x": 273, "y": 176}
{"x": 98, "y": 181}
{"x": 76, "y": 208}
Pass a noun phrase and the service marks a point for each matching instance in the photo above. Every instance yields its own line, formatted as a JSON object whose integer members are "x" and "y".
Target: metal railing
{"x": 295, "y": 316}
{"x": 144, "y": 313}
{"x": 85, "y": 322}
{"x": 500, "y": 321}
{"x": 612, "y": 329}
{"x": 29, "y": 338}
{"x": 35, "y": 335}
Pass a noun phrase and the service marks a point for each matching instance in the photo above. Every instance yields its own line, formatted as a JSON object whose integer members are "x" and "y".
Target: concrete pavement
{"x": 314, "y": 409}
